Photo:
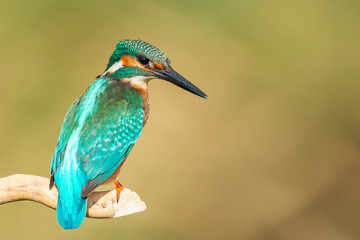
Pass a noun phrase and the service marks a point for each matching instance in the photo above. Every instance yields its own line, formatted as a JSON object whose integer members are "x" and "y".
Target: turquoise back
{"x": 98, "y": 133}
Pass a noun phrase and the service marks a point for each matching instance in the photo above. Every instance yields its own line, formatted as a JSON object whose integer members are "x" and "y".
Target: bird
{"x": 102, "y": 126}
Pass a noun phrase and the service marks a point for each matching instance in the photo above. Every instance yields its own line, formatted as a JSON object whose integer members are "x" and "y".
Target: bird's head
{"x": 137, "y": 62}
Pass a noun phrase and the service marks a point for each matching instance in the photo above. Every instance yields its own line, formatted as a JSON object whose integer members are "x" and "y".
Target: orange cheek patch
{"x": 129, "y": 61}
{"x": 158, "y": 65}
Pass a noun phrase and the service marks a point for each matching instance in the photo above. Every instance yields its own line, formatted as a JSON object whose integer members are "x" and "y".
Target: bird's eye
{"x": 143, "y": 60}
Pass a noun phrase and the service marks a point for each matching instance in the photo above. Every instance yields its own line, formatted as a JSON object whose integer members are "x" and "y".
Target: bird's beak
{"x": 172, "y": 76}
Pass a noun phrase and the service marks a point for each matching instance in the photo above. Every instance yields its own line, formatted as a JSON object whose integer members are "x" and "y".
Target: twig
{"x": 19, "y": 187}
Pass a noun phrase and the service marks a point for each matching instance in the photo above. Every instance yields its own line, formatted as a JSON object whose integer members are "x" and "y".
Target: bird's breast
{"x": 146, "y": 105}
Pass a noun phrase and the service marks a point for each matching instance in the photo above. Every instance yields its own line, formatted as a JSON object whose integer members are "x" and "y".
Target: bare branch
{"x": 19, "y": 187}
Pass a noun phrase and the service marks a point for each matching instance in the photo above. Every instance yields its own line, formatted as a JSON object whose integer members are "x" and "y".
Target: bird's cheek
{"x": 128, "y": 61}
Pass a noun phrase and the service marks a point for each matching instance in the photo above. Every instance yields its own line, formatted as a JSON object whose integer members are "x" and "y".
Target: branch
{"x": 19, "y": 187}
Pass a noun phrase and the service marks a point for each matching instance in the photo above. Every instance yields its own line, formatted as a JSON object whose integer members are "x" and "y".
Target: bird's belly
{"x": 114, "y": 175}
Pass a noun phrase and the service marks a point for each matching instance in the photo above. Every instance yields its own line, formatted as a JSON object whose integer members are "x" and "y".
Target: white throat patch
{"x": 138, "y": 81}
{"x": 116, "y": 66}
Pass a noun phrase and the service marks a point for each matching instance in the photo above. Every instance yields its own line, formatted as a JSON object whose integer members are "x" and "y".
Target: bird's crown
{"x": 137, "y": 48}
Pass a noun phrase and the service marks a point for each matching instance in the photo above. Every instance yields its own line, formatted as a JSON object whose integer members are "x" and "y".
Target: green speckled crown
{"x": 135, "y": 48}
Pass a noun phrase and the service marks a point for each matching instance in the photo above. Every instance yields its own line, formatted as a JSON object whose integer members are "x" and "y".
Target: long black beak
{"x": 172, "y": 76}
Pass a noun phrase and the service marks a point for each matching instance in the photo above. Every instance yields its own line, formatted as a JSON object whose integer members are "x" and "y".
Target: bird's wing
{"x": 106, "y": 139}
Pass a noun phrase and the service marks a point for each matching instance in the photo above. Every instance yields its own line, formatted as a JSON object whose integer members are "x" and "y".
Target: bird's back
{"x": 98, "y": 133}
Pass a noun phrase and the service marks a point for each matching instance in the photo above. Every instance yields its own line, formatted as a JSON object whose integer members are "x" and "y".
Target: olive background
{"x": 272, "y": 154}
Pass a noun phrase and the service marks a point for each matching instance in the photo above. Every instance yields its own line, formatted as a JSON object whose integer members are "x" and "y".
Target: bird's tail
{"x": 71, "y": 207}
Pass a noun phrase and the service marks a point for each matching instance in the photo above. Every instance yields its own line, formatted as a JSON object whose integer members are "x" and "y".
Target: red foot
{"x": 119, "y": 188}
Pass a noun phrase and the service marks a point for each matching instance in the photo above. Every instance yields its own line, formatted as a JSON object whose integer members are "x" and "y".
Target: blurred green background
{"x": 274, "y": 153}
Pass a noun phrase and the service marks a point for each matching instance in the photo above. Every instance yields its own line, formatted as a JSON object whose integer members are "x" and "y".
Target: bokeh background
{"x": 272, "y": 154}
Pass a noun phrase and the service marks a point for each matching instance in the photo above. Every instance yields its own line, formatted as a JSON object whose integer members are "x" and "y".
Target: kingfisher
{"x": 102, "y": 126}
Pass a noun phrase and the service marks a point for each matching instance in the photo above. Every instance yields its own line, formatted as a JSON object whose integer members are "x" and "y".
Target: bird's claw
{"x": 119, "y": 188}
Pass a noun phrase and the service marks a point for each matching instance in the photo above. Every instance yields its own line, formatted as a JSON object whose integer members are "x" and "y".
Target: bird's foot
{"x": 119, "y": 188}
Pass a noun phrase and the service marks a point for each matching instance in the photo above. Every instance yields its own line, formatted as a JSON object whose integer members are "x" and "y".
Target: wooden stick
{"x": 20, "y": 187}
